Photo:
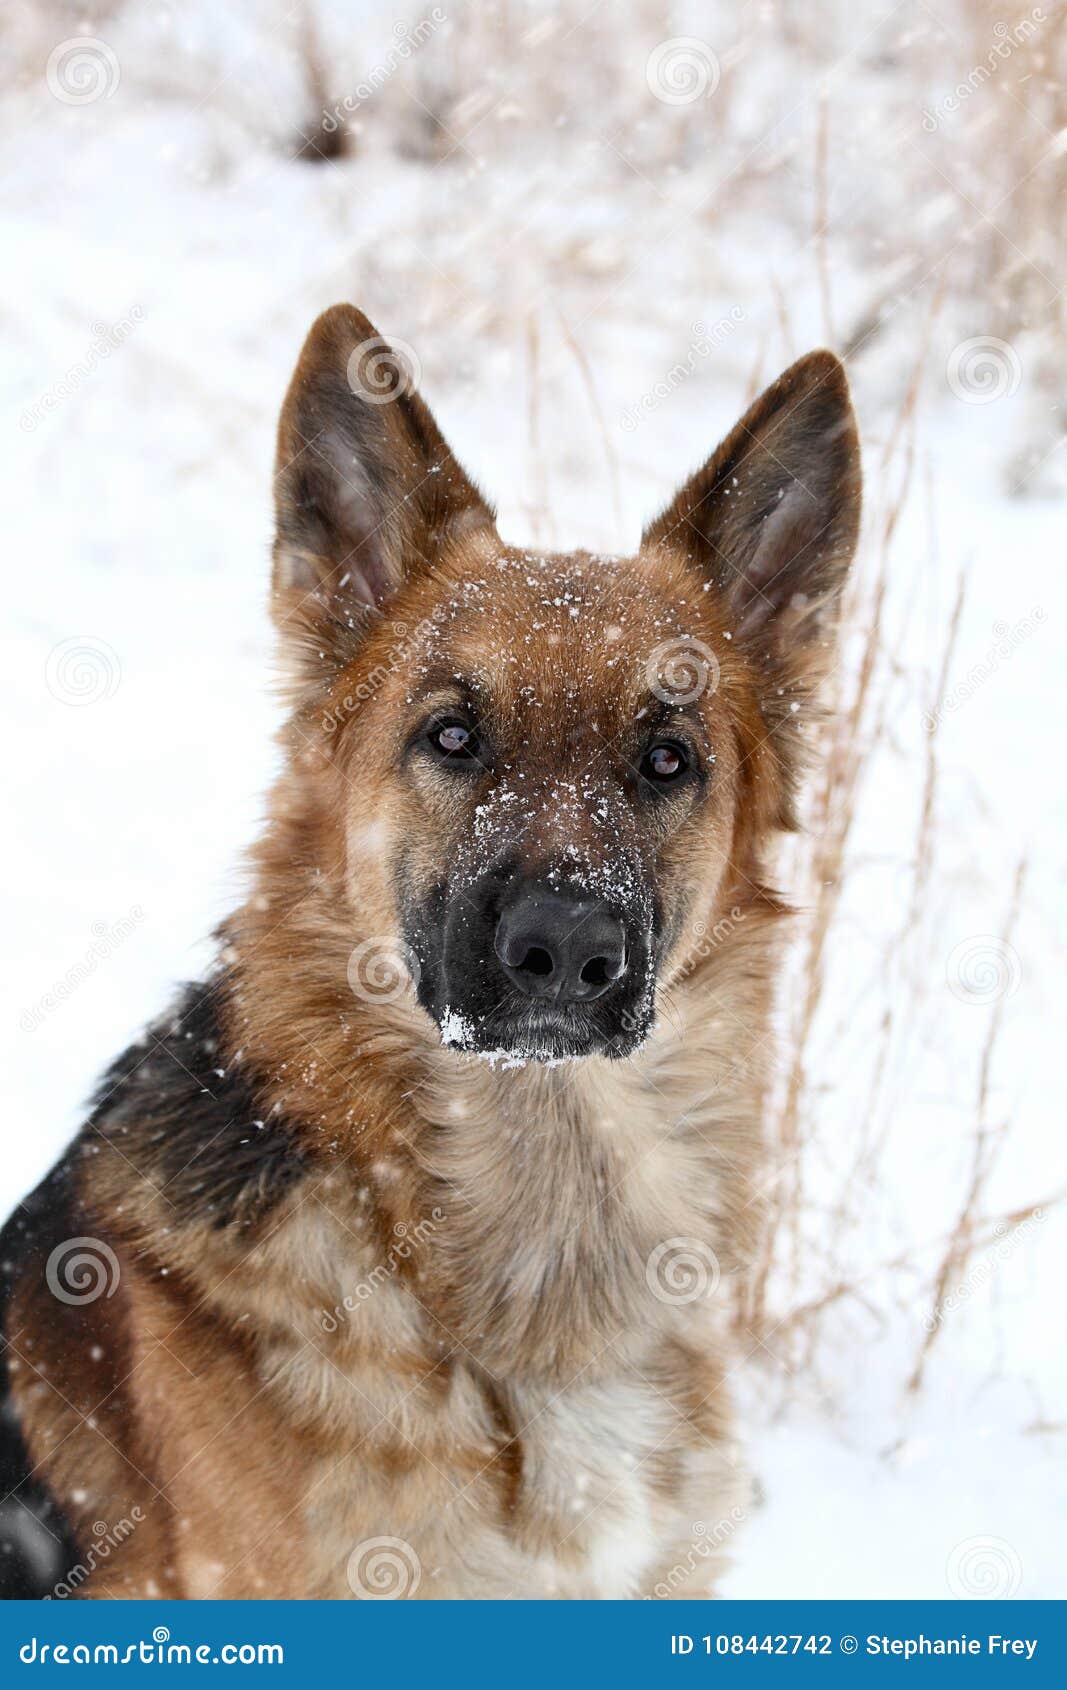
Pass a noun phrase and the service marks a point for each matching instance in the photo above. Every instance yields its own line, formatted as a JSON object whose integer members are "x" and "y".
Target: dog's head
{"x": 537, "y": 776}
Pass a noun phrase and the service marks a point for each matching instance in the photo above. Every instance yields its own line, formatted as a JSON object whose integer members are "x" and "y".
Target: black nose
{"x": 554, "y": 946}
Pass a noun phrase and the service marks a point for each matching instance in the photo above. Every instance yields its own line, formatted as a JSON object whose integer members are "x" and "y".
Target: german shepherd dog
{"x": 394, "y": 1260}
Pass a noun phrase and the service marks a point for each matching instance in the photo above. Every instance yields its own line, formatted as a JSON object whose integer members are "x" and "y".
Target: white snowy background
{"x": 599, "y": 230}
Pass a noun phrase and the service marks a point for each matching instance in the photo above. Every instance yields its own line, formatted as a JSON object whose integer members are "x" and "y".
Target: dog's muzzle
{"x": 540, "y": 969}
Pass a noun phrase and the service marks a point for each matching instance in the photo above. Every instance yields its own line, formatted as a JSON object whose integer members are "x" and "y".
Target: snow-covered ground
{"x": 595, "y": 265}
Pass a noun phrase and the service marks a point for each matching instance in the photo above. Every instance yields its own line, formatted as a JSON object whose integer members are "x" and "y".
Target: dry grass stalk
{"x": 538, "y": 502}
{"x": 853, "y": 739}
{"x": 594, "y": 404}
{"x": 987, "y": 1143}
{"x": 822, "y": 219}
{"x": 317, "y": 141}
{"x": 924, "y": 850}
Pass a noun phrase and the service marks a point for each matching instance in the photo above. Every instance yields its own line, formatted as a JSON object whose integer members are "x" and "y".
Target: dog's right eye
{"x": 454, "y": 742}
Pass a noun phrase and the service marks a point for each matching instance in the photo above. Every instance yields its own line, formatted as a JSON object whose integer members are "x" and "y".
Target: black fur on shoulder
{"x": 184, "y": 1112}
{"x": 36, "y": 1543}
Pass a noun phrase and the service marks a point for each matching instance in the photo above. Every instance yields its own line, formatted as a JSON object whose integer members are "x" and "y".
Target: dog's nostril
{"x": 557, "y": 947}
{"x": 596, "y": 972}
{"x": 536, "y": 961}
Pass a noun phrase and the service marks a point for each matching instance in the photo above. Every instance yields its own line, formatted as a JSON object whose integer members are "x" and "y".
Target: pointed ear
{"x": 773, "y": 515}
{"x": 365, "y": 483}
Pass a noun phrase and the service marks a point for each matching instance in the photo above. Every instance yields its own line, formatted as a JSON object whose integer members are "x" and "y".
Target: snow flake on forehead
{"x": 575, "y": 638}
{"x": 537, "y": 592}
{"x": 579, "y": 831}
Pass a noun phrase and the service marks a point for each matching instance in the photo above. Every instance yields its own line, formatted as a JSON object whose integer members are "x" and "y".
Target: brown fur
{"x": 510, "y": 1398}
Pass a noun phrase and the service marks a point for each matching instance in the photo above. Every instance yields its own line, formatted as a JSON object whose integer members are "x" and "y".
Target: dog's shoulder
{"x": 36, "y": 1542}
{"x": 181, "y": 1112}
{"x": 176, "y": 1145}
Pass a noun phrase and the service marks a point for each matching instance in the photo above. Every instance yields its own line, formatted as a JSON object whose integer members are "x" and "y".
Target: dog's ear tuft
{"x": 773, "y": 515}
{"x": 365, "y": 483}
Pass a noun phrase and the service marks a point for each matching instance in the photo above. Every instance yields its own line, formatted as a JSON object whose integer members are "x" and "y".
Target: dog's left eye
{"x": 664, "y": 763}
{"x": 454, "y": 741}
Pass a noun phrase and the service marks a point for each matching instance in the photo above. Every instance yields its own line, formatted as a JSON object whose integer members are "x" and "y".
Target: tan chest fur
{"x": 522, "y": 1383}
